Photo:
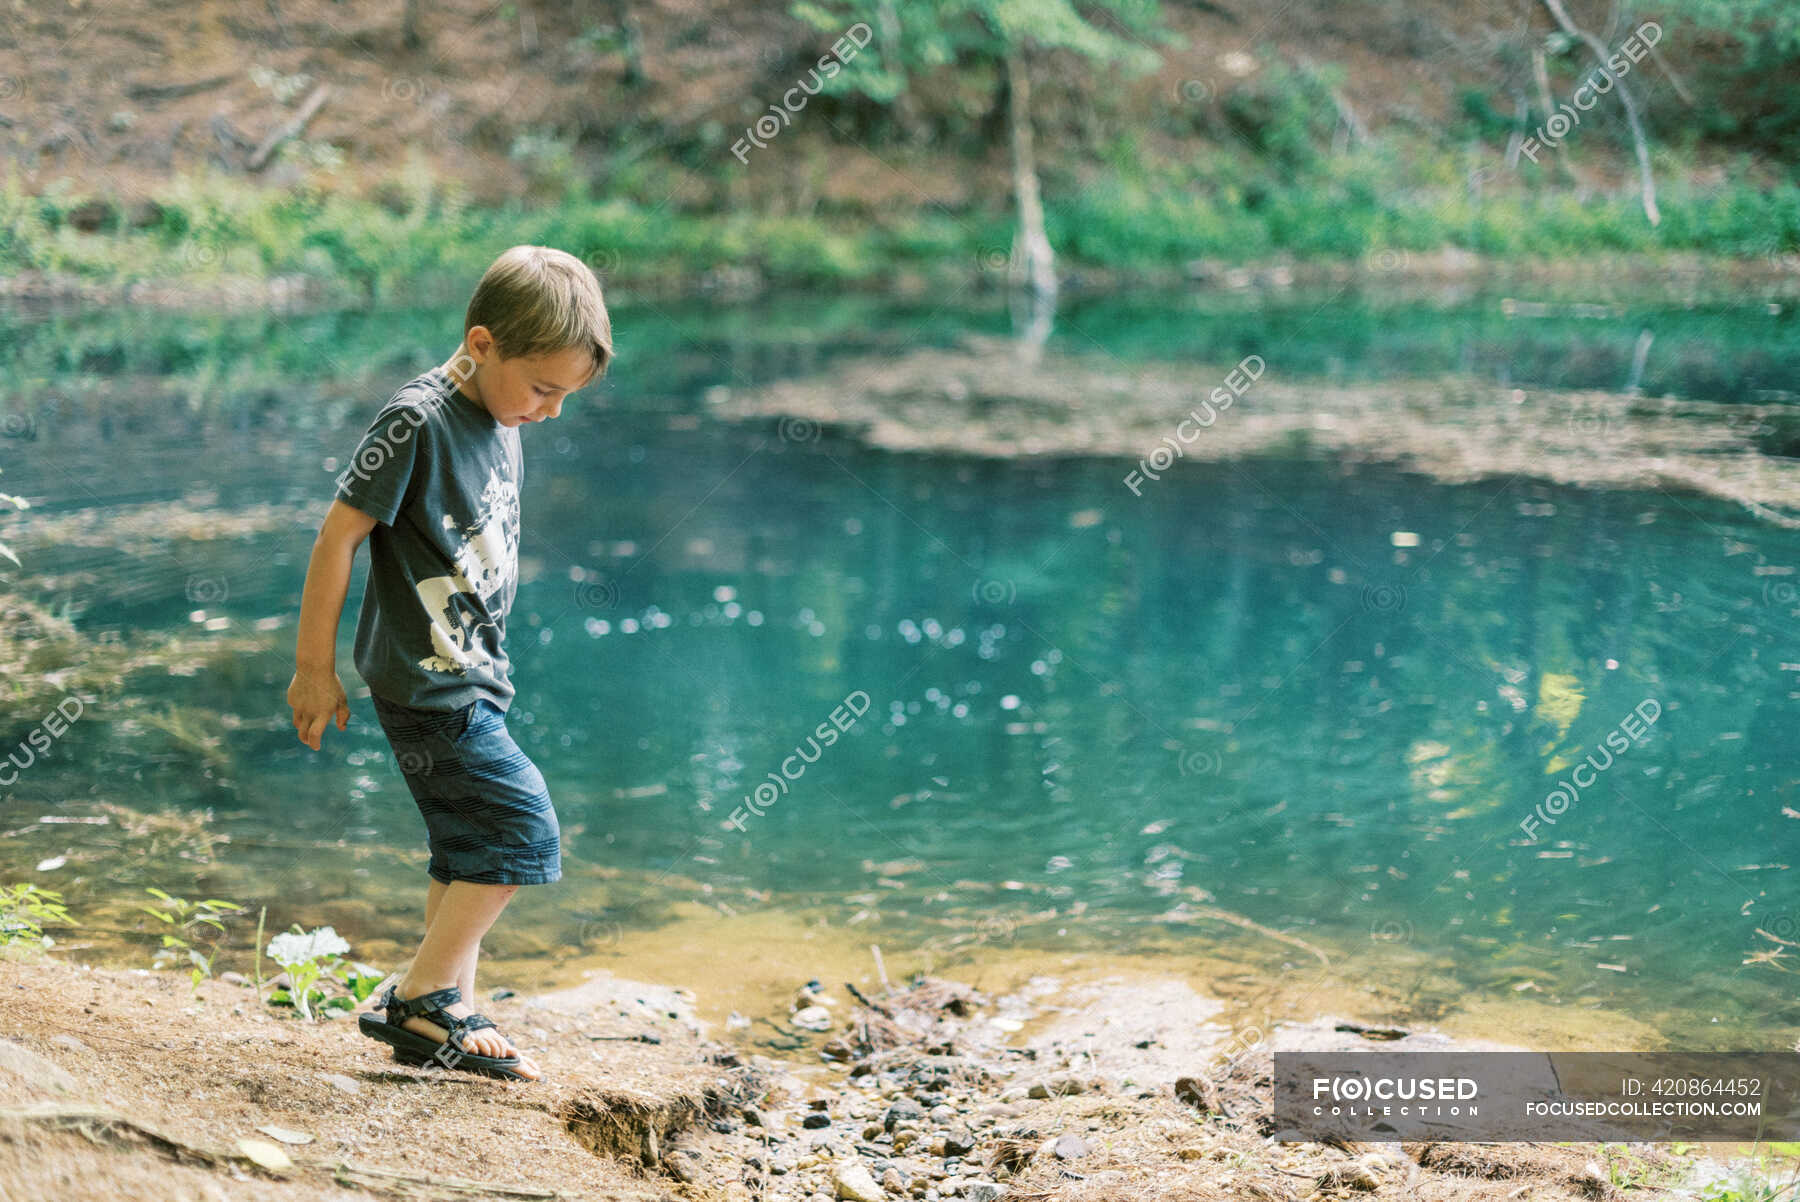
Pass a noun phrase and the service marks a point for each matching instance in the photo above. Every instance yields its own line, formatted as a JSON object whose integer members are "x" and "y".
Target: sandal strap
{"x": 423, "y": 1005}
{"x": 457, "y": 1028}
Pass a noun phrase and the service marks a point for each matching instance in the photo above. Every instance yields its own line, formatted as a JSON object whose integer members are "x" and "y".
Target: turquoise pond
{"x": 1327, "y": 698}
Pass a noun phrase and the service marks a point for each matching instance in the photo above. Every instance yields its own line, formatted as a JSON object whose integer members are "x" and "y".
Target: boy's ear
{"x": 480, "y": 341}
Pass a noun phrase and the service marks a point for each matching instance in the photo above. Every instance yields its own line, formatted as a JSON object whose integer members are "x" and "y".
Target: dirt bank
{"x": 119, "y": 1083}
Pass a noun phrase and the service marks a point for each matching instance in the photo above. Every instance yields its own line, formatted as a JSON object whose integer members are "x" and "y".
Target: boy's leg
{"x": 464, "y": 912}
{"x": 465, "y": 978}
{"x": 434, "y": 894}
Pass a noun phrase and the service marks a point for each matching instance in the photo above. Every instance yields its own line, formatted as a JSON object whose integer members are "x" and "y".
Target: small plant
{"x": 24, "y": 909}
{"x": 1747, "y": 1185}
{"x": 360, "y": 979}
{"x": 184, "y": 921}
{"x": 305, "y": 956}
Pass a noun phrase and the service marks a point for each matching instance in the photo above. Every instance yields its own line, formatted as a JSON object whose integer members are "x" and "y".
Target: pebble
{"x": 816, "y": 1119}
{"x": 813, "y": 1018}
{"x": 902, "y": 1111}
{"x": 852, "y": 1182}
{"x": 1061, "y": 1085}
{"x": 1071, "y": 1147}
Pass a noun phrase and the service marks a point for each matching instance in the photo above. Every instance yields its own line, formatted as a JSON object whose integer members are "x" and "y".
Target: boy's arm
{"x": 316, "y": 694}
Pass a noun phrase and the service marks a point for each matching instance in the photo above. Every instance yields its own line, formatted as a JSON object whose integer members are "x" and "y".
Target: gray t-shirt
{"x": 442, "y": 478}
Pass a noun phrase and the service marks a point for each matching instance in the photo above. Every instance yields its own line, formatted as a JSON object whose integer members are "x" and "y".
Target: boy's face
{"x": 525, "y": 388}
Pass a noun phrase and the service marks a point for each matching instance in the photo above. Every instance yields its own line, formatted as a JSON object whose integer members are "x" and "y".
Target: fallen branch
{"x": 1631, "y": 110}
{"x": 176, "y": 91}
{"x": 259, "y": 157}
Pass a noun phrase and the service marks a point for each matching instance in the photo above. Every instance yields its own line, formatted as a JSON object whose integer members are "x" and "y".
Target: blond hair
{"x": 537, "y": 300}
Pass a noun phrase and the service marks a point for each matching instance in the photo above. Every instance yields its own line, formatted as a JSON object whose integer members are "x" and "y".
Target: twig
{"x": 1247, "y": 924}
{"x": 877, "y": 1007}
{"x": 880, "y": 968}
{"x": 259, "y": 157}
{"x": 257, "y": 963}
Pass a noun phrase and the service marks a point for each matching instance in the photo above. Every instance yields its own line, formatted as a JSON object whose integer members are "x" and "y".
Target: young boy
{"x": 434, "y": 487}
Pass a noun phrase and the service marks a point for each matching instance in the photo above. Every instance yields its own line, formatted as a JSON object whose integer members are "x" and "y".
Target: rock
{"x": 893, "y": 1179}
{"x": 347, "y": 1084}
{"x": 268, "y": 1155}
{"x": 1062, "y": 1085}
{"x": 1349, "y": 1176}
{"x": 903, "y": 1110}
{"x": 1070, "y": 1147}
{"x": 851, "y": 1181}
{"x": 234, "y": 978}
{"x": 941, "y": 1114}
{"x": 34, "y": 1070}
{"x": 1199, "y": 1093}
{"x": 285, "y": 1135}
{"x": 959, "y": 1141}
{"x": 754, "y": 1117}
{"x": 982, "y": 1191}
{"x": 813, "y": 1018}
{"x": 684, "y": 1166}
{"x": 70, "y": 1042}
{"x": 816, "y": 1119}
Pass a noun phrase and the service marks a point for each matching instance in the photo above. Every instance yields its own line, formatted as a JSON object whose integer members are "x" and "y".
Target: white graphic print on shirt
{"x": 487, "y": 561}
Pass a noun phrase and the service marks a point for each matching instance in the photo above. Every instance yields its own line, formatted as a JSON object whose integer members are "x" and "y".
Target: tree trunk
{"x": 1625, "y": 99}
{"x": 633, "y": 37}
{"x": 1033, "y": 262}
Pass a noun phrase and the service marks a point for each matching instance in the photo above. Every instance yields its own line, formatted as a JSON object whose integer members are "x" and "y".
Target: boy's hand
{"x": 316, "y": 698}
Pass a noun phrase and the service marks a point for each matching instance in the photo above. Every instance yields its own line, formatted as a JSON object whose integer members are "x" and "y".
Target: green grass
{"x": 1228, "y": 205}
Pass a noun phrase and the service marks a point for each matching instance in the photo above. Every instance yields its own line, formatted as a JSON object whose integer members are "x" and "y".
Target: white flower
{"x": 291, "y": 948}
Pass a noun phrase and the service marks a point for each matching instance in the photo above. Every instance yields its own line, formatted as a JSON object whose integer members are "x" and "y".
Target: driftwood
{"x": 309, "y": 109}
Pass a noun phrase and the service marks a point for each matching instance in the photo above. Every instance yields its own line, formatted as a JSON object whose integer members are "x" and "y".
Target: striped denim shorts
{"x": 488, "y": 817}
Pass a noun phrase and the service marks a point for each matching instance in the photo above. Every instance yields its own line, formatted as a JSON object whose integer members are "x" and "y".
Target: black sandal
{"x": 410, "y": 1047}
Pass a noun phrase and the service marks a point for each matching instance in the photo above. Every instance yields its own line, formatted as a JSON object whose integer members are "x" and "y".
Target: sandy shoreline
{"x": 117, "y": 1082}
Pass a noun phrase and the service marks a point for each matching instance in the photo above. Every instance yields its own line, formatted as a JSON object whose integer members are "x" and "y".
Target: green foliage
{"x": 24, "y": 909}
{"x": 1284, "y": 114}
{"x": 938, "y": 33}
{"x": 305, "y": 957}
{"x": 1746, "y": 1184}
{"x": 186, "y": 922}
